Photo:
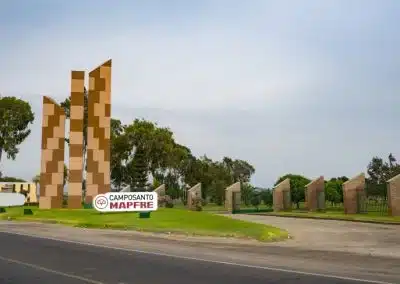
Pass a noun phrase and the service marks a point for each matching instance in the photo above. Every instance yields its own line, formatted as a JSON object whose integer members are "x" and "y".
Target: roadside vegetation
{"x": 164, "y": 220}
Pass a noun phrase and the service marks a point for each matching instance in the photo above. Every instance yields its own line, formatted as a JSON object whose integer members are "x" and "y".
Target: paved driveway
{"x": 374, "y": 239}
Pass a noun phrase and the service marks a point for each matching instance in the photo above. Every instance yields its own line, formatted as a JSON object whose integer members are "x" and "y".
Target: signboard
{"x": 126, "y": 202}
{"x": 11, "y": 199}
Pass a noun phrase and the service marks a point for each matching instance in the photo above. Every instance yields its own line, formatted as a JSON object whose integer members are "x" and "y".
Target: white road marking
{"x": 41, "y": 268}
{"x": 323, "y": 275}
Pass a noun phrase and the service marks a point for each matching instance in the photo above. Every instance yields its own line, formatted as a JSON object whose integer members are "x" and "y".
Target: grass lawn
{"x": 163, "y": 220}
{"x": 338, "y": 215}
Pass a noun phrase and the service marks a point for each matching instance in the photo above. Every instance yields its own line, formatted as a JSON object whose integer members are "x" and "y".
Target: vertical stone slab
{"x": 393, "y": 186}
{"x": 99, "y": 112}
{"x": 52, "y": 156}
{"x": 160, "y": 190}
{"x": 353, "y": 189}
{"x": 231, "y": 192}
{"x": 281, "y": 196}
{"x": 76, "y": 139}
{"x": 313, "y": 191}
{"x": 193, "y": 193}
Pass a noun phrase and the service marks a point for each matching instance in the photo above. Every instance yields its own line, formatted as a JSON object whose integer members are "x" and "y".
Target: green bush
{"x": 28, "y": 211}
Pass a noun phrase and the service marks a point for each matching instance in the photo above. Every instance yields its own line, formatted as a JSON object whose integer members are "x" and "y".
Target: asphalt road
{"x": 33, "y": 260}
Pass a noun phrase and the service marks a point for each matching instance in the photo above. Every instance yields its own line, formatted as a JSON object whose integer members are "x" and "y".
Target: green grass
{"x": 337, "y": 215}
{"x": 163, "y": 220}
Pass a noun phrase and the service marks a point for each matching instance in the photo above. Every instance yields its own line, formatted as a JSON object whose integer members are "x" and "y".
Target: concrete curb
{"x": 334, "y": 219}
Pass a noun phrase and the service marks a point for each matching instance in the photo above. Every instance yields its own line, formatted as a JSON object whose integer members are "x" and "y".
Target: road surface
{"x": 33, "y": 260}
{"x": 59, "y": 254}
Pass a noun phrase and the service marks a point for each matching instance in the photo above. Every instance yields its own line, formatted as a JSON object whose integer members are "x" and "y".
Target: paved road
{"x": 34, "y": 260}
{"x": 360, "y": 238}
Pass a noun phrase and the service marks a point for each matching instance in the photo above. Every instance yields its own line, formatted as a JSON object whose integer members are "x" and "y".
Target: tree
{"x": 334, "y": 191}
{"x": 297, "y": 187}
{"x": 65, "y": 177}
{"x": 15, "y": 117}
{"x": 155, "y": 142}
{"x": 11, "y": 179}
{"x": 138, "y": 170}
{"x": 379, "y": 172}
{"x": 120, "y": 152}
{"x": 239, "y": 170}
{"x": 266, "y": 197}
{"x": 247, "y": 193}
{"x": 255, "y": 199}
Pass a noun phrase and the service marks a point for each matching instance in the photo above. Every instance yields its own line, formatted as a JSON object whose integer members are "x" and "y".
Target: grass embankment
{"x": 370, "y": 217}
{"x": 163, "y": 220}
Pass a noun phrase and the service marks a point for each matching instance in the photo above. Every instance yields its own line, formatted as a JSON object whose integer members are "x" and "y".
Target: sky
{"x": 305, "y": 87}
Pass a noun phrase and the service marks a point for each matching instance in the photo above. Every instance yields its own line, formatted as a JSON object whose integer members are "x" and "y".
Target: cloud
{"x": 308, "y": 87}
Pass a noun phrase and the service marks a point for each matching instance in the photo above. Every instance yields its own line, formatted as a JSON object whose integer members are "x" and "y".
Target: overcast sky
{"x": 308, "y": 87}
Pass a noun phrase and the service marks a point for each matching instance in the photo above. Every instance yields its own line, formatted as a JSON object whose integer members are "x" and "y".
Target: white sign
{"x": 126, "y": 202}
{"x": 11, "y": 199}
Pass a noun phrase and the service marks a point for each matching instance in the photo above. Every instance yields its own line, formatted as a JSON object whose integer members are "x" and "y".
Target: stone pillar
{"x": 315, "y": 194}
{"x": 233, "y": 197}
{"x": 353, "y": 193}
{"x": 76, "y": 139}
{"x": 52, "y": 156}
{"x": 193, "y": 193}
{"x": 99, "y": 111}
{"x": 394, "y": 195}
{"x": 281, "y": 196}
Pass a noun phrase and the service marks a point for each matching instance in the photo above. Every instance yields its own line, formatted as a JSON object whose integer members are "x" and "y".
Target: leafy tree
{"x": 334, "y": 191}
{"x": 379, "y": 171}
{"x": 255, "y": 199}
{"x": 297, "y": 187}
{"x": 247, "y": 193}
{"x": 15, "y": 117}
{"x": 156, "y": 142}
{"x": 120, "y": 153}
{"x": 266, "y": 197}
{"x": 239, "y": 170}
